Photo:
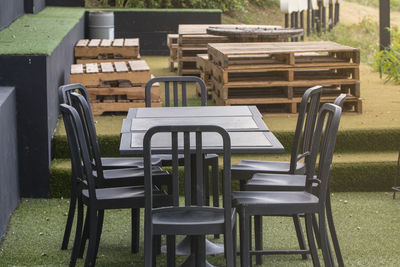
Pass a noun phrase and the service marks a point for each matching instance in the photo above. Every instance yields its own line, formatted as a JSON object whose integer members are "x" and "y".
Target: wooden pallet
{"x": 121, "y": 90}
{"x": 283, "y": 104}
{"x": 172, "y": 42}
{"x": 92, "y": 75}
{"x": 280, "y": 54}
{"x": 100, "y": 50}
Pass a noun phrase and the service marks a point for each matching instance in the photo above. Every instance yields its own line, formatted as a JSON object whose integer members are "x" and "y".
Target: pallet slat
{"x": 121, "y": 67}
{"x": 105, "y": 42}
{"x": 118, "y": 42}
{"x": 94, "y": 43}
{"x": 92, "y": 68}
{"x": 106, "y": 67}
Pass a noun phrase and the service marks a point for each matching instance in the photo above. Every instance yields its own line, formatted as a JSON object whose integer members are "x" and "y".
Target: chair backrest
{"x": 65, "y": 91}
{"x": 305, "y": 125}
{"x": 83, "y": 109}
{"x": 340, "y": 100}
{"x": 323, "y": 145}
{"x": 188, "y": 140}
{"x": 175, "y": 81}
{"x": 80, "y": 159}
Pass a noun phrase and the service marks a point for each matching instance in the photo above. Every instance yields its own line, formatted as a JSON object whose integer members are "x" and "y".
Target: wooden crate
{"x": 279, "y": 73}
{"x": 93, "y": 74}
{"x": 172, "y": 42}
{"x": 121, "y": 106}
{"x": 103, "y": 50}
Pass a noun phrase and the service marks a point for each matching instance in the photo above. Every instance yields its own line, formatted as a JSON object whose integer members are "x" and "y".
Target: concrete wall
{"x": 36, "y": 79}
{"x": 152, "y": 27}
{"x": 9, "y": 187}
{"x": 10, "y": 10}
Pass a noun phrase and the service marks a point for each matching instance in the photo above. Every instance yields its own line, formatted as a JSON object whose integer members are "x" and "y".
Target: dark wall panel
{"x": 9, "y": 11}
{"x": 9, "y": 189}
{"x": 28, "y": 75}
{"x": 36, "y": 79}
{"x": 152, "y": 27}
{"x": 65, "y": 3}
{"x": 34, "y": 6}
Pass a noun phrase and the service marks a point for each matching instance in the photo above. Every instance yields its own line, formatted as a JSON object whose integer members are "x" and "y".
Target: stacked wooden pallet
{"x": 193, "y": 40}
{"x": 172, "y": 42}
{"x": 203, "y": 65}
{"x": 276, "y": 75}
{"x": 115, "y": 86}
{"x": 106, "y": 50}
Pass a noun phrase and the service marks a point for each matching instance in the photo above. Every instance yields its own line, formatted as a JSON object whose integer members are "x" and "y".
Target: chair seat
{"x": 275, "y": 182}
{"x": 127, "y": 176}
{"x": 116, "y": 163}
{"x": 166, "y": 159}
{"x": 121, "y": 197}
{"x": 190, "y": 220}
{"x": 276, "y": 202}
{"x": 256, "y": 166}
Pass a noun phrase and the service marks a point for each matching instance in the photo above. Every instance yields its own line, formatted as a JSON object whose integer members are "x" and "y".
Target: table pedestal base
{"x": 183, "y": 248}
{"x": 190, "y": 262}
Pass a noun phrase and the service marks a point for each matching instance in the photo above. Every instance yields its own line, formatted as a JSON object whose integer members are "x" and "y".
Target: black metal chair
{"x": 64, "y": 93}
{"x": 88, "y": 192}
{"x": 112, "y": 177}
{"x": 310, "y": 202}
{"x": 195, "y": 218}
{"x": 245, "y": 169}
{"x": 179, "y": 87}
{"x": 276, "y": 182}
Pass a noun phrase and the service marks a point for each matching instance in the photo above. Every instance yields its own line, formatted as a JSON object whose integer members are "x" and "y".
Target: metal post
{"x": 337, "y": 8}
{"x": 384, "y": 24}
{"x": 286, "y": 20}
{"x": 330, "y": 21}
{"x": 308, "y": 17}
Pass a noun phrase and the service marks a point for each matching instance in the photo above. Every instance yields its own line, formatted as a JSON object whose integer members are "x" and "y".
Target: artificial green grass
{"x": 39, "y": 33}
{"x": 367, "y": 226}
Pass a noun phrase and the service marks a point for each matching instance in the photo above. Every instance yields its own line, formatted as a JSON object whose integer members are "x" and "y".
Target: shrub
{"x": 388, "y": 61}
{"x": 225, "y": 5}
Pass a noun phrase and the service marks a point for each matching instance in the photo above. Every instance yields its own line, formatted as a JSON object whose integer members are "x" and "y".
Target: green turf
{"x": 39, "y": 33}
{"x": 367, "y": 226}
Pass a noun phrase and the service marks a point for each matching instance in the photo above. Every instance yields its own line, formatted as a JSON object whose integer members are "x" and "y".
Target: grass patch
{"x": 359, "y": 218}
{"x": 394, "y": 4}
{"x": 39, "y": 33}
{"x": 364, "y": 35}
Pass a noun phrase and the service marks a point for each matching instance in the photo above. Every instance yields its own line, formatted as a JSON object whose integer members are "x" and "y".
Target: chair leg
{"x": 85, "y": 235}
{"x": 148, "y": 246}
{"x": 234, "y": 234}
{"x": 324, "y": 239}
{"x": 229, "y": 246}
{"x": 70, "y": 219}
{"x": 135, "y": 221}
{"x": 171, "y": 250}
{"x": 244, "y": 228}
{"x": 258, "y": 234}
{"x": 100, "y": 220}
{"x": 316, "y": 231}
{"x": 332, "y": 230}
{"x": 78, "y": 234}
{"x": 311, "y": 241}
{"x": 90, "y": 254}
{"x": 299, "y": 233}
